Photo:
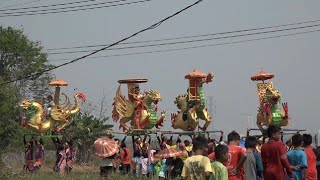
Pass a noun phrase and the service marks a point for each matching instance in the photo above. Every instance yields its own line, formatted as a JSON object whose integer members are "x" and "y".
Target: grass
{"x": 78, "y": 173}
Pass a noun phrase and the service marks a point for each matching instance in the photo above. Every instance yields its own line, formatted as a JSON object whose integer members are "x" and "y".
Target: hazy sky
{"x": 293, "y": 60}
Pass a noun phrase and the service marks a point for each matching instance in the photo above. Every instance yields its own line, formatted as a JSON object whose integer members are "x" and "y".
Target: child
{"x": 237, "y": 157}
{"x": 253, "y": 164}
{"x": 297, "y": 157}
{"x": 274, "y": 157}
{"x": 197, "y": 167}
{"x": 163, "y": 169}
{"x": 219, "y": 171}
{"x": 125, "y": 155}
{"x": 311, "y": 171}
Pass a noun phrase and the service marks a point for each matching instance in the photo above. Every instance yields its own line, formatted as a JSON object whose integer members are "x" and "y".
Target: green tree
{"x": 8, "y": 115}
{"x": 19, "y": 57}
{"x": 83, "y": 131}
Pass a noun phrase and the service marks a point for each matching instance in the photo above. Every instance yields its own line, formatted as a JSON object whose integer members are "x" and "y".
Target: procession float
{"x": 269, "y": 112}
{"x": 51, "y": 116}
{"x": 192, "y": 106}
{"x": 140, "y": 109}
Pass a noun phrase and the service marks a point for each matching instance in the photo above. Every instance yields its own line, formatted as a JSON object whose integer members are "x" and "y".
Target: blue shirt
{"x": 297, "y": 157}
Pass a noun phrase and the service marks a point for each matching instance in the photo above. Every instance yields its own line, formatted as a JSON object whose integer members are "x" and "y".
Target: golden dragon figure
{"x": 269, "y": 112}
{"x": 142, "y": 113}
{"x": 60, "y": 115}
{"x": 192, "y": 106}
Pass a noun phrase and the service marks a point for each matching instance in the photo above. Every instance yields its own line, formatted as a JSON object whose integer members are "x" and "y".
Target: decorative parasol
{"x": 262, "y": 76}
{"x": 135, "y": 80}
{"x": 105, "y": 147}
{"x": 168, "y": 153}
{"x": 57, "y": 83}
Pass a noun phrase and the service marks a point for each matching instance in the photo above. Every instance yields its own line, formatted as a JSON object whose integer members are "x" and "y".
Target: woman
{"x": 28, "y": 154}
{"x": 39, "y": 155}
{"x": 61, "y": 160}
{"x": 125, "y": 158}
{"x": 70, "y": 153}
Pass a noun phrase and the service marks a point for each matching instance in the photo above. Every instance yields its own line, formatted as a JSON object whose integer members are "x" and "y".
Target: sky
{"x": 293, "y": 60}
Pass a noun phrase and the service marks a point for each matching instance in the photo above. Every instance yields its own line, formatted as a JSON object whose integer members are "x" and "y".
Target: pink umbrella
{"x": 105, "y": 147}
{"x": 168, "y": 153}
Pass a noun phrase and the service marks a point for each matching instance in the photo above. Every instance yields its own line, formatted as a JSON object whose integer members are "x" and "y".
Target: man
{"x": 274, "y": 157}
{"x": 311, "y": 171}
{"x": 197, "y": 167}
{"x": 237, "y": 157}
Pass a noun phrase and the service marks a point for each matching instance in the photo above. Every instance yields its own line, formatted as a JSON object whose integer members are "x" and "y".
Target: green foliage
{"x": 83, "y": 131}
{"x": 8, "y": 114}
{"x": 19, "y": 57}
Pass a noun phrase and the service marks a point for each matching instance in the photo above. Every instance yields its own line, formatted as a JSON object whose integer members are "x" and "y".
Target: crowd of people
{"x": 65, "y": 154}
{"x": 205, "y": 158}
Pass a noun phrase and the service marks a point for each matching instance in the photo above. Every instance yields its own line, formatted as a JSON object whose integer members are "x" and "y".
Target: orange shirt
{"x": 126, "y": 159}
{"x": 235, "y": 154}
{"x": 312, "y": 162}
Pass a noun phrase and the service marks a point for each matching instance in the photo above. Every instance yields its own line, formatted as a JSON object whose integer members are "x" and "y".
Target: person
{"x": 48, "y": 105}
{"x": 289, "y": 145}
{"x": 106, "y": 166}
{"x": 219, "y": 171}
{"x": 259, "y": 145}
{"x": 151, "y": 161}
{"x": 317, "y": 152}
{"x": 237, "y": 157}
{"x": 163, "y": 169}
{"x": 61, "y": 160}
{"x": 253, "y": 164}
{"x": 197, "y": 167}
{"x": 179, "y": 161}
{"x": 274, "y": 158}
{"x": 137, "y": 155}
{"x": 188, "y": 147}
{"x": 28, "y": 153}
{"x": 125, "y": 155}
{"x": 39, "y": 155}
{"x": 311, "y": 171}
{"x": 297, "y": 158}
{"x": 70, "y": 153}
{"x": 144, "y": 160}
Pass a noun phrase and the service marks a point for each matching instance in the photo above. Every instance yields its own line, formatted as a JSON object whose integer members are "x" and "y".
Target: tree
{"x": 83, "y": 131}
{"x": 8, "y": 115}
{"x": 20, "y": 57}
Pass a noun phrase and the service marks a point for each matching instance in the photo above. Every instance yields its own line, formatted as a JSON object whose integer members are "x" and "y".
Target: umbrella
{"x": 57, "y": 83}
{"x": 105, "y": 147}
{"x": 262, "y": 76}
{"x": 167, "y": 153}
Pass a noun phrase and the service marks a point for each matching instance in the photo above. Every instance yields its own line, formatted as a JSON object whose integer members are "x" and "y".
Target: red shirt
{"x": 126, "y": 159}
{"x": 274, "y": 160}
{"x": 312, "y": 162}
{"x": 235, "y": 154}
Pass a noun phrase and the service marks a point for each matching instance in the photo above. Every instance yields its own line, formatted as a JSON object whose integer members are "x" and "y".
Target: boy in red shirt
{"x": 311, "y": 171}
{"x": 237, "y": 157}
{"x": 274, "y": 157}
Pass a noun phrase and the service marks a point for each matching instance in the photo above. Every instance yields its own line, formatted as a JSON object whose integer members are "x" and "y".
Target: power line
{"x": 72, "y": 10}
{"x": 44, "y": 6}
{"x": 198, "y": 46}
{"x": 193, "y": 41}
{"x": 37, "y": 74}
{"x": 193, "y": 36}
{"x": 2, "y": 8}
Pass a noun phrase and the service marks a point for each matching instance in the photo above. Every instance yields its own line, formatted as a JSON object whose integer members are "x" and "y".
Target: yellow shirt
{"x": 189, "y": 148}
{"x": 195, "y": 167}
{"x": 184, "y": 156}
{"x": 171, "y": 147}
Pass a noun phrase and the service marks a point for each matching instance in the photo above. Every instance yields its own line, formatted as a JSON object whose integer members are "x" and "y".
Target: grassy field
{"x": 79, "y": 173}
